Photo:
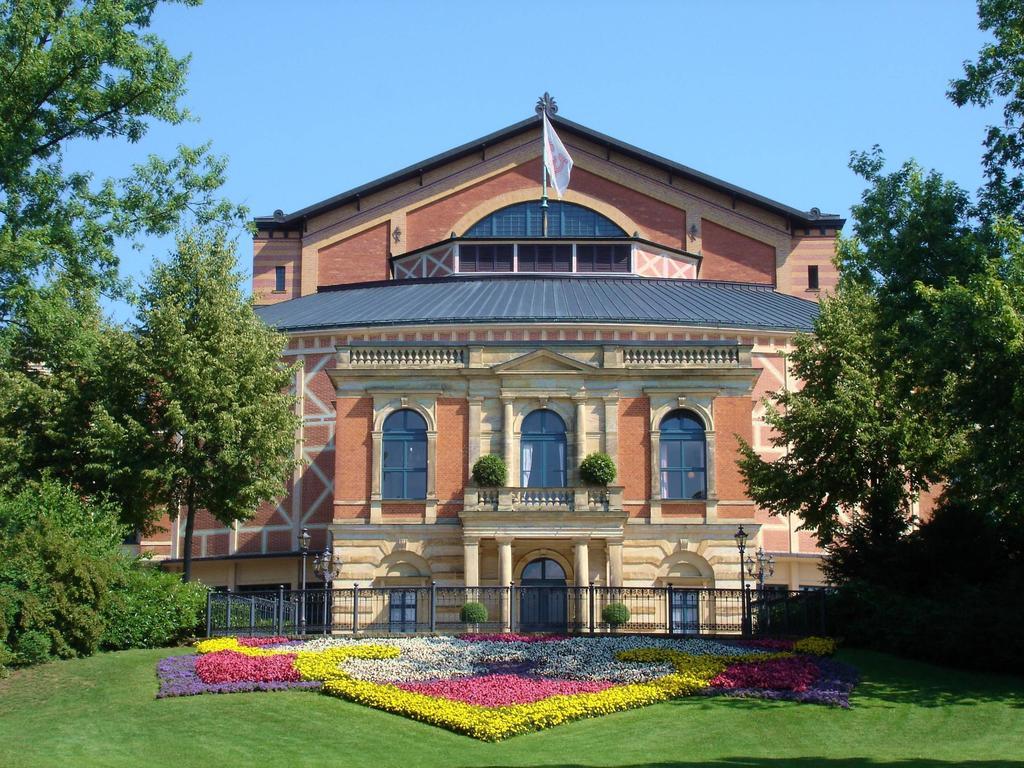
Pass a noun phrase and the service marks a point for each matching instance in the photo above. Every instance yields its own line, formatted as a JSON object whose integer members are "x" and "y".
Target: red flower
{"x": 235, "y": 667}
{"x": 791, "y": 674}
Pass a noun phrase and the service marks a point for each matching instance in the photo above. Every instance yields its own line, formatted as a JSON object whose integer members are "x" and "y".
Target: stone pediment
{"x": 543, "y": 361}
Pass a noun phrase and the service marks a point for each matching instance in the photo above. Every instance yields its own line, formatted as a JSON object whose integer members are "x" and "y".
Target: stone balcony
{"x": 587, "y": 499}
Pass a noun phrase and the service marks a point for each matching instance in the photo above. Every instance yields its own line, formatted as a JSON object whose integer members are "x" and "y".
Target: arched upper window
{"x": 404, "y": 459}
{"x": 564, "y": 220}
{"x": 543, "y": 569}
{"x": 683, "y": 459}
{"x": 543, "y": 450}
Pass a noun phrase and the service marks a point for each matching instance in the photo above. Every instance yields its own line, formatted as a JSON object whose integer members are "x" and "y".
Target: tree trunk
{"x": 190, "y": 525}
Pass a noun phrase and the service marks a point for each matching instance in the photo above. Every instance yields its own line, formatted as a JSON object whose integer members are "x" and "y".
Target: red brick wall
{"x": 635, "y": 451}
{"x": 452, "y": 455}
{"x": 268, "y": 254}
{"x": 728, "y": 255}
{"x": 657, "y": 221}
{"x": 818, "y": 250}
{"x": 353, "y": 455}
{"x": 358, "y": 259}
{"x": 732, "y": 421}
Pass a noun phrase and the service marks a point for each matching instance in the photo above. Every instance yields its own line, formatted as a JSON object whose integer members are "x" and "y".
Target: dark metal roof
{"x": 805, "y": 219}
{"x": 557, "y": 299}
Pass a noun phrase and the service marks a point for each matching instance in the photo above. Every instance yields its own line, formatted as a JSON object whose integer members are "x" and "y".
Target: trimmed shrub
{"x": 33, "y": 648}
{"x": 473, "y": 613}
{"x": 597, "y": 469}
{"x": 615, "y": 614}
{"x": 149, "y": 608}
{"x": 490, "y": 471}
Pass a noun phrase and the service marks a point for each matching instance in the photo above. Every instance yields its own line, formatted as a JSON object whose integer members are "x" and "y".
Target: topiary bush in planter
{"x": 597, "y": 469}
{"x": 473, "y": 613}
{"x": 615, "y": 615}
{"x": 490, "y": 471}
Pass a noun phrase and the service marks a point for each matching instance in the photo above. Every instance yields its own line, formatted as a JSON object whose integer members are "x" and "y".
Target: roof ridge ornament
{"x": 546, "y": 103}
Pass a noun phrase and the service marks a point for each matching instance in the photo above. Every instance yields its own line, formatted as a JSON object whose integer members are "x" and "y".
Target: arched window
{"x": 543, "y": 569}
{"x": 404, "y": 460}
{"x": 543, "y": 450}
{"x": 683, "y": 459}
{"x": 564, "y": 220}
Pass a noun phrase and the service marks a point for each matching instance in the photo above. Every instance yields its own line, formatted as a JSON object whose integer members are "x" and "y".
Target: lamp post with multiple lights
{"x": 327, "y": 568}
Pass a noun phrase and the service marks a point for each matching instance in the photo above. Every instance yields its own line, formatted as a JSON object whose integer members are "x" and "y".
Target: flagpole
{"x": 544, "y": 178}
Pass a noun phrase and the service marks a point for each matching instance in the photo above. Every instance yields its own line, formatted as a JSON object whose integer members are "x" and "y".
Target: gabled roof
{"x": 543, "y": 299}
{"x": 798, "y": 218}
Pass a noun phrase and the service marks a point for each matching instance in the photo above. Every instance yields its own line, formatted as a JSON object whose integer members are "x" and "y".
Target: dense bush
{"x": 59, "y": 556}
{"x": 490, "y": 471}
{"x": 473, "y": 613}
{"x": 615, "y": 614}
{"x": 597, "y": 469}
{"x": 67, "y": 588}
{"x": 150, "y": 608}
{"x": 959, "y": 625}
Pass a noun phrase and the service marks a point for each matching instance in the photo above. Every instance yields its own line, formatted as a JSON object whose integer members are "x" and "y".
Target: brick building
{"x": 437, "y": 317}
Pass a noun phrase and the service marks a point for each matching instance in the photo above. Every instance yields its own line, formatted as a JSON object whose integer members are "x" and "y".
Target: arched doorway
{"x": 542, "y": 597}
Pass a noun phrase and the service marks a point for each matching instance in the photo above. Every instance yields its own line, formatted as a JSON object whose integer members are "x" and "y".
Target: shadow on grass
{"x": 893, "y": 680}
{"x": 808, "y": 762}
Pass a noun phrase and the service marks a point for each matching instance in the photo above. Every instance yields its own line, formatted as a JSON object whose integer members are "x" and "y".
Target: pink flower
{"x": 789, "y": 674}
{"x": 234, "y": 667}
{"x": 503, "y": 690}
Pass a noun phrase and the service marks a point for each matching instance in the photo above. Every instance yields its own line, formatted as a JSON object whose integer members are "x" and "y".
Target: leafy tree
{"x": 997, "y": 76}
{"x": 855, "y": 455}
{"x": 87, "y": 70}
{"x": 214, "y": 418}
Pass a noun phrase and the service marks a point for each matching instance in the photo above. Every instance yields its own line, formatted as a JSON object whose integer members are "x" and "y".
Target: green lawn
{"x": 101, "y": 712}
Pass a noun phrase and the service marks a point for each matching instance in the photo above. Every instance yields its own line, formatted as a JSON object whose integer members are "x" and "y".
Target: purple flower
{"x": 178, "y": 677}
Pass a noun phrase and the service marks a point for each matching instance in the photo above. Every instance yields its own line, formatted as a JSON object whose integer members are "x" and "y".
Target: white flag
{"x": 556, "y": 159}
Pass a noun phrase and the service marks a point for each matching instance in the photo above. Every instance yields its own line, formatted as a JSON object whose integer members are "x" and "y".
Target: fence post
{"x": 433, "y": 606}
{"x": 228, "y": 621}
{"x": 748, "y": 619}
{"x": 591, "y": 607}
{"x": 252, "y": 616}
{"x": 280, "y": 610}
{"x": 209, "y": 613}
{"x": 668, "y": 611}
{"x": 327, "y": 600}
{"x": 355, "y": 608}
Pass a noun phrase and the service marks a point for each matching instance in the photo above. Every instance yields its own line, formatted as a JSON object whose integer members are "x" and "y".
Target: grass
{"x": 101, "y": 712}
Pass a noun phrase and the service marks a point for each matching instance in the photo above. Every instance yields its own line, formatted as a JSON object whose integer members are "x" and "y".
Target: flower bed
{"x": 492, "y": 686}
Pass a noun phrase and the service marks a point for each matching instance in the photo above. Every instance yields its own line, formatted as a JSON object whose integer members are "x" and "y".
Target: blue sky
{"x": 311, "y": 98}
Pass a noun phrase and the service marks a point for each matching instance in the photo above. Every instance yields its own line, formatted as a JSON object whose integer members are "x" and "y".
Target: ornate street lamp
{"x": 761, "y": 566}
{"x": 328, "y": 568}
{"x": 304, "y": 539}
{"x": 741, "y": 537}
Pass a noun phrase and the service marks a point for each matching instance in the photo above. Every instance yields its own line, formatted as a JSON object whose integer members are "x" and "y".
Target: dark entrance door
{"x": 543, "y": 606}
{"x": 685, "y": 612}
{"x": 402, "y": 610}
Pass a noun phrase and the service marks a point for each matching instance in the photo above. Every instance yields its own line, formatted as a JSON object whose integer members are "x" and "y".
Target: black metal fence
{"x": 573, "y": 610}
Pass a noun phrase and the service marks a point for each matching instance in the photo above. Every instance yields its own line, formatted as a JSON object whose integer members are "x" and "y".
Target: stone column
{"x": 505, "y": 580}
{"x": 582, "y": 565}
{"x": 581, "y": 434}
{"x": 471, "y": 562}
{"x": 475, "y": 411}
{"x": 614, "y": 547}
{"x": 611, "y": 427}
{"x": 506, "y": 428}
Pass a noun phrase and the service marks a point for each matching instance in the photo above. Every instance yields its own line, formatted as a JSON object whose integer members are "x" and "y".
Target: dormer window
{"x": 525, "y": 220}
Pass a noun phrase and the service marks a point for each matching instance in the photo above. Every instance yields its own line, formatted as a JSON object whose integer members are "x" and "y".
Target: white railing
{"x": 681, "y": 356}
{"x": 543, "y": 498}
{"x": 407, "y": 357}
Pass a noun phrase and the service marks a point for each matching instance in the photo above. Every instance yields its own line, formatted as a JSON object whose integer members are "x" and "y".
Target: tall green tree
{"x": 996, "y": 77}
{"x": 854, "y": 455}
{"x": 214, "y": 416}
{"x": 87, "y": 70}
